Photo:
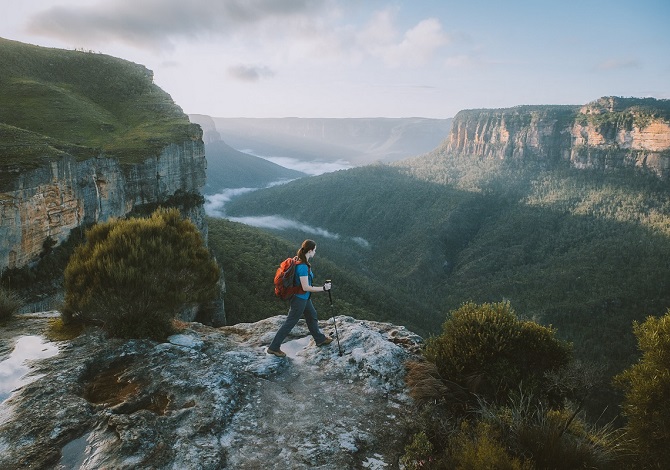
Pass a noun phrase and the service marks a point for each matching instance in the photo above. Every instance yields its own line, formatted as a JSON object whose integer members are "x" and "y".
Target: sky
{"x": 372, "y": 58}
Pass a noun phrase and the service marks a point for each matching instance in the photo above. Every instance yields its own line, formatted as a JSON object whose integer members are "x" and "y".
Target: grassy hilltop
{"x": 55, "y": 102}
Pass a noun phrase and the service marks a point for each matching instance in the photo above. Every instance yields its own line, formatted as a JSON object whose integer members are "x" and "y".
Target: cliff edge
{"x": 85, "y": 137}
{"x": 211, "y": 398}
{"x": 610, "y": 132}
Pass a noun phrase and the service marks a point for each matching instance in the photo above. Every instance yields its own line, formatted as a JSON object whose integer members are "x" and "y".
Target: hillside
{"x": 582, "y": 250}
{"x": 356, "y": 141}
{"x": 250, "y": 294}
{"x": 230, "y": 168}
{"x": 58, "y": 102}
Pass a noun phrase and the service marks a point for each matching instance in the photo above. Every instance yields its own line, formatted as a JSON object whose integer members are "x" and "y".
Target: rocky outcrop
{"x": 213, "y": 399}
{"x": 608, "y": 133}
{"x": 45, "y": 204}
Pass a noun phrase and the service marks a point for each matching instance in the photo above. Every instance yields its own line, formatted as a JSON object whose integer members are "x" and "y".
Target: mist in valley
{"x": 215, "y": 203}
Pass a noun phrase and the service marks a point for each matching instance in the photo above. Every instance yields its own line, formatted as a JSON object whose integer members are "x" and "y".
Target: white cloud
{"x": 277, "y": 222}
{"x": 250, "y": 73}
{"x": 312, "y": 168}
{"x": 617, "y": 64}
{"x": 157, "y": 24}
{"x": 416, "y": 46}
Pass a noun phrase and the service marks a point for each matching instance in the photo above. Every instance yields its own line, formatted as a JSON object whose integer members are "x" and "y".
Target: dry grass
{"x": 58, "y": 330}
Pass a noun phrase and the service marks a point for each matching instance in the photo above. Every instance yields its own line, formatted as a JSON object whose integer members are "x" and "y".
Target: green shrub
{"x": 418, "y": 452}
{"x": 485, "y": 349}
{"x": 10, "y": 303}
{"x": 132, "y": 276}
{"x": 58, "y": 330}
{"x": 477, "y": 447}
{"x": 551, "y": 438}
{"x": 647, "y": 393}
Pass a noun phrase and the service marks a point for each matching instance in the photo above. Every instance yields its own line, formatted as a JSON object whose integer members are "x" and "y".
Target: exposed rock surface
{"x": 610, "y": 132}
{"x": 52, "y": 200}
{"x": 212, "y": 398}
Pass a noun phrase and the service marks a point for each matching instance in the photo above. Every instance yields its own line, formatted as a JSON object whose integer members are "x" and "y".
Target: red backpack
{"x": 284, "y": 276}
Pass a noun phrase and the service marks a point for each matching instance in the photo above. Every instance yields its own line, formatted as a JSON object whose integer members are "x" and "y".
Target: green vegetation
{"x": 58, "y": 330}
{"x": 627, "y": 112}
{"x": 486, "y": 350}
{"x": 10, "y": 303}
{"x": 585, "y": 251}
{"x": 44, "y": 278}
{"x": 55, "y": 102}
{"x": 498, "y": 392}
{"x": 132, "y": 276}
{"x": 647, "y": 387}
{"x": 250, "y": 258}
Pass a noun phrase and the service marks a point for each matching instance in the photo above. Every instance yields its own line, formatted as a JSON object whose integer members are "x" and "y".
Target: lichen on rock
{"x": 212, "y": 398}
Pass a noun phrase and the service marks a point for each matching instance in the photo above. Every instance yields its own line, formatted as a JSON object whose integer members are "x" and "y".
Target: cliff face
{"x": 610, "y": 132}
{"x": 45, "y": 204}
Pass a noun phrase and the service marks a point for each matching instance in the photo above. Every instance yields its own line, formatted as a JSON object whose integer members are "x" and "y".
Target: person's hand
{"x": 327, "y": 286}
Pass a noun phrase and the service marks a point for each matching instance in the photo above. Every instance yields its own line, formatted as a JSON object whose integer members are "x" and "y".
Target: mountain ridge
{"x": 356, "y": 140}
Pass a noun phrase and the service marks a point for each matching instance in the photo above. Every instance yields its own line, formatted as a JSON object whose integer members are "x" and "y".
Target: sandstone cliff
{"x": 47, "y": 203}
{"x": 213, "y": 399}
{"x": 85, "y": 137}
{"x": 607, "y": 133}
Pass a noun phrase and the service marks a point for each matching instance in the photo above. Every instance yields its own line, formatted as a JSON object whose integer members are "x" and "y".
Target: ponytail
{"x": 307, "y": 245}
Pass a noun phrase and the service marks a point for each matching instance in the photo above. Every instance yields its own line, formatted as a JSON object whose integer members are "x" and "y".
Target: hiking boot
{"x": 326, "y": 341}
{"x": 279, "y": 353}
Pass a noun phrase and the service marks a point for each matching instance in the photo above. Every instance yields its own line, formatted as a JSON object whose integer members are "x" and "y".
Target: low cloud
{"x": 618, "y": 64}
{"x": 277, "y": 222}
{"x": 215, "y": 203}
{"x": 312, "y": 168}
{"x": 214, "y": 207}
{"x": 250, "y": 73}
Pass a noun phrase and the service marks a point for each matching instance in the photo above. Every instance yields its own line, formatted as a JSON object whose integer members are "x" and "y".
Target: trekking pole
{"x": 332, "y": 314}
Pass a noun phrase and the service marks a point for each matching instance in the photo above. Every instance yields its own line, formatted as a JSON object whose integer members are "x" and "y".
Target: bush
{"x": 479, "y": 446}
{"x": 486, "y": 350}
{"x": 551, "y": 438}
{"x": 647, "y": 393}
{"x": 10, "y": 303}
{"x": 418, "y": 452}
{"x": 133, "y": 276}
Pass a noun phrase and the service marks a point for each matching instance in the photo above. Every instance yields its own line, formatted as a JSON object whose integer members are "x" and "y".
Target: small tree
{"x": 498, "y": 393}
{"x": 486, "y": 349}
{"x": 133, "y": 276}
{"x": 10, "y": 303}
{"x": 647, "y": 393}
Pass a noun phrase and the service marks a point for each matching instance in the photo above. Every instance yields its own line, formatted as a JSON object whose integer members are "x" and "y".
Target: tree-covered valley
{"x": 530, "y": 251}
{"x": 585, "y": 251}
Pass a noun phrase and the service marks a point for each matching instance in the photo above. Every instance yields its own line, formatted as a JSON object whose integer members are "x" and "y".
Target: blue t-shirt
{"x": 303, "y": 270}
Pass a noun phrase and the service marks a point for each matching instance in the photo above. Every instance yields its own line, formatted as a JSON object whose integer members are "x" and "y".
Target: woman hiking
{"x": 301, "y": 304}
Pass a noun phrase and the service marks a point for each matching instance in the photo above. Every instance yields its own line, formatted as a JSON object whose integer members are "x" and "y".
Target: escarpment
{"x": 607, "y": 133}
{"x": 86, "y": 137}
{"x": 45, "y": 204}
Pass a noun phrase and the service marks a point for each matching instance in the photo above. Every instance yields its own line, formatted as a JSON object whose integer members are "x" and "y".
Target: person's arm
{"x": 304, "y": 283}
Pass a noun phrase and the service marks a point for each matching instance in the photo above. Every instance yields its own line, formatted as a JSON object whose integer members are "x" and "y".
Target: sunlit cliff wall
{"x": 607, "y": 133}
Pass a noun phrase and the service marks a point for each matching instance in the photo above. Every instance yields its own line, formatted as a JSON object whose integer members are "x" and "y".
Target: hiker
{"x": 301, "y": 304}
